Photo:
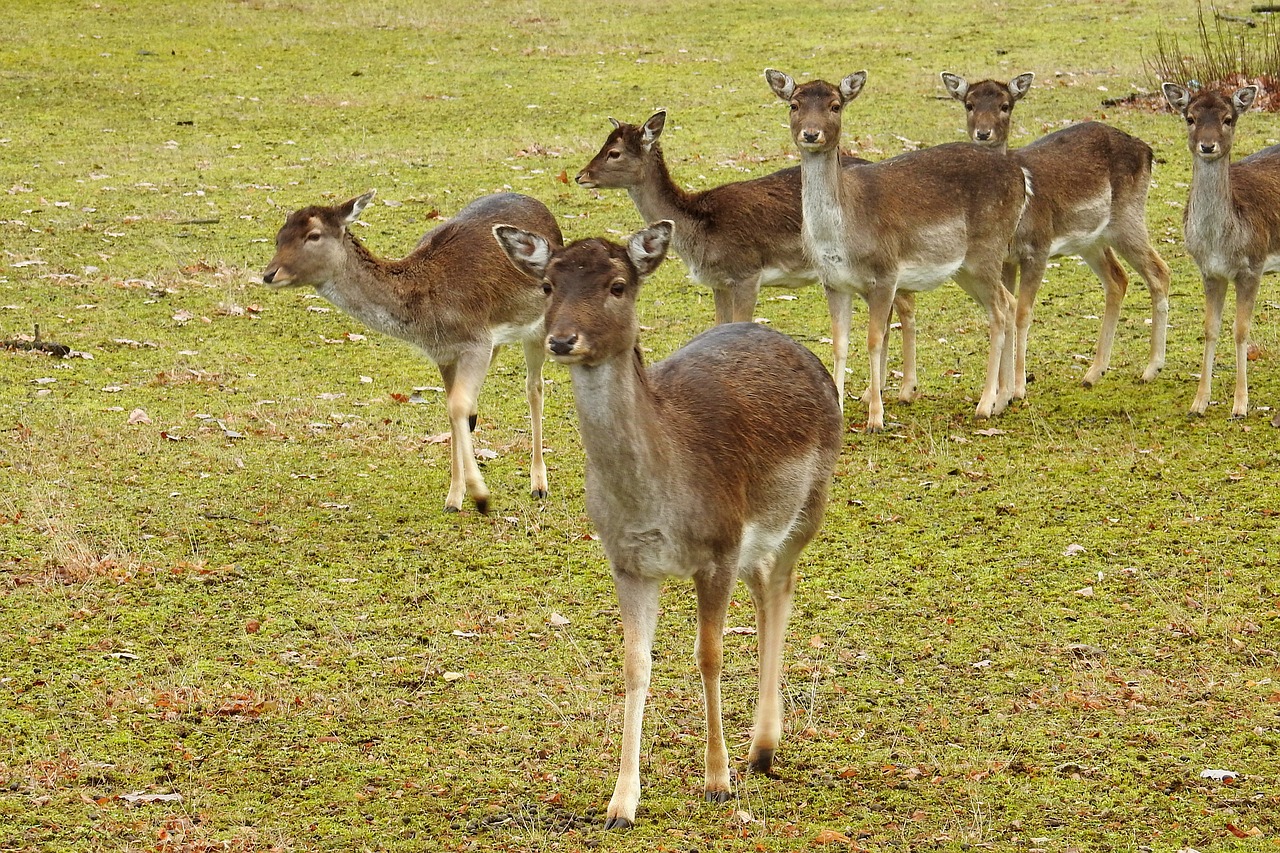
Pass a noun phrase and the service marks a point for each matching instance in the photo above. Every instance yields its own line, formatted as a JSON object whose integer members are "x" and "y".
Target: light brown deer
{"x": 735, "y": 238}
{"x": 455, "y": 297}
{"x": 1231, "y": 224}
{"x": 711, "y": 465}
{"x": 904, "y": 224}
{"x": 1091, "y": 182}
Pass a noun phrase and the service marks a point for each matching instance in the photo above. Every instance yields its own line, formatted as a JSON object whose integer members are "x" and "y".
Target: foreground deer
{"x": 1090, "y": 199}
{"x": 908, "y": 223}
{"x": 455, "y": 297}
{"x": 711, "y": 465}
{"x": 735, "y": 238}
{"x": 1231, "y": 223}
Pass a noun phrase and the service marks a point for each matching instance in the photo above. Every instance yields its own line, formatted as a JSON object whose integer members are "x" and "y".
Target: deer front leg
{"x": 461, "y": 396}
{"x": 998, "y": 387}
{"x": 771, "y": 593}
{"x": 1246, "y": 296}
{"x": 638, "y": 607}
{"x": 1155, "y": 272}
{"x": 713, "y": 589}
{"x": 840, "y": 305}
{"x": 535, "y": 354}
{"x": 879, "y": 307}
{"x": 1215, "y": 293}
{"x": 905, "y": 304}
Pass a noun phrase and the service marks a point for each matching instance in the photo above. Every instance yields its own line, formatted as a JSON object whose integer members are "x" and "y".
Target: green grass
{"x": 255, "y": 601}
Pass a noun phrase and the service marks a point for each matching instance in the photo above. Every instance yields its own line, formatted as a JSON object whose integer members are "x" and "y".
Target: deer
{"x": 908, "y": 223}
{"x": 1090, "y": 200}
{"x": 735, "y": 238}
{"x": 711, "y": 465}
{"x": 1231, "y": 224}
{"x": 455, "y": 297}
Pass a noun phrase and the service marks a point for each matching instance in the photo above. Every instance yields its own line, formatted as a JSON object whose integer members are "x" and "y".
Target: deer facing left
{"x": 455, "y": 297}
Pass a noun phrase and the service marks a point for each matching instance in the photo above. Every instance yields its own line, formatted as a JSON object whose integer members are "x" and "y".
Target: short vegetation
{"x": 234, "y": 617}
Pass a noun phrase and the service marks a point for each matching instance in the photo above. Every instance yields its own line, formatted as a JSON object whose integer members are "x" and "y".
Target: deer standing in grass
{"x": 734, "y": 238}
{"x": 1231, "y": 224}
{"x": 904, "y": 224}
{"x": 711, "y": 465}
{"x": 1090, "y": 199}
{"x": 455, "y": 297}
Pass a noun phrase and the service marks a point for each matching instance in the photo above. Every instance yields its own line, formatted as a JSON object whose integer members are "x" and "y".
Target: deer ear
{"x": 1244, "y": 98}
{"x": 613, "y": 121}
{"x": 352, "y": 209}
{"x": 781, "y": 84}
{"x": 646, "y": 248}
{"x": 653, "y": 129}
{"x": 1177, "y": 96}
{"x": 956, "y": 85}
{"x": 852, "y": 85}
{"x": 1019, "y": 85}
{"x": 530, "y": 253}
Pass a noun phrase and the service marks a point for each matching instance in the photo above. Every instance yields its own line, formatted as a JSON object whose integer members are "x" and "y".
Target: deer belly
{"x": 926, "y": 274}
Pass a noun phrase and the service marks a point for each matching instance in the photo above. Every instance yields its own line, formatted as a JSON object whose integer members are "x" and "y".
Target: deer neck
{"x": 1211, "y": 218}
{"x": 657, "y": 196}
{"x": 369, "y": 290}
{"x": 824, "y": 200}
{"x": 620, "y": 424}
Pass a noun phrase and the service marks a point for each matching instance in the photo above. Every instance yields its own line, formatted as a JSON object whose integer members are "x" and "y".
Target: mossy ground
{"x": 1032, "y": 638}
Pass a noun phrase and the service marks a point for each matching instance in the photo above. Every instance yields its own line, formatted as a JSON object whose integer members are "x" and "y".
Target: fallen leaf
{"x": 486, "y": 453}
{"x": 1085, "y": 592}
{"x": 453, "y": 676}
{"x": 557, "y": 621}
{"x": 252, "y": 626}
{"x": 830, "y": 836}
{"x": 138, "y": 416}
{"x": 563, "y": 177}
{"x": 989, "y": 432}
{"x": 137, "y": 797}
{"x": 1073, "y": 549}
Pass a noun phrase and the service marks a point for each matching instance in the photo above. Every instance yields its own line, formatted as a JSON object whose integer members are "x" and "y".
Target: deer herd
{"x": 714, "y": 464}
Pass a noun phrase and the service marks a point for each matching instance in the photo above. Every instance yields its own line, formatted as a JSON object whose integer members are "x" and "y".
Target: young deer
{"x": 1231, "y": 223}
{"x": 1090, "y": 199}
{"x": 735, "y": 238}
{"x": 455, "y": 297}
{"x": 908, "y": 223}
{"x": 711, "y": 465}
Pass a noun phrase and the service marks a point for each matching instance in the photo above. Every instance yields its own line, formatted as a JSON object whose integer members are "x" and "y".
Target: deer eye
{"x": 1004, "y": 108}
{"x": 835, "y": 108}
{"x": 618, "y": 287}
{"x": 1190, "y": 120}
{"x": 1228, "y": 121}
{"x": 546, "y": 287}
{"x": 794, "y": 106}
{"x": 615, "y": 154}
{"x": 968, "y": 108}
{"x": 314, "y": 237}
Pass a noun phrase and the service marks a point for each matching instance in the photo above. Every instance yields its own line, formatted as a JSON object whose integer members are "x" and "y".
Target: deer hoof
{"x": 762, "y": 762}
{"x": 718, "y": 796}
{"x": 448, "y": 508}
{"x": 539, "y": 494}
{"x": 618, "y": 823}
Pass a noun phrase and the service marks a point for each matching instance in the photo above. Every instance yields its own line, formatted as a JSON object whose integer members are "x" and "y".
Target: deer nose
{"x": 561, "y": 345}
{"x": 581, "y": 177}
{"x": 1208, "y": 147}
{"x": 983, "y": 135}
{"x": 811, "y": 136}
{"x": 268, "y": 276}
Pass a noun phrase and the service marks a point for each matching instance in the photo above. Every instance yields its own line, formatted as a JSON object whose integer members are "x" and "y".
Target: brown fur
{"x": 455, "y": 296}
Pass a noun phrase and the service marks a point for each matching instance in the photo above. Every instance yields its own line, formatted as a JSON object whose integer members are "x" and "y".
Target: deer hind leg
{"x": 1155, "y": 272}
{"x": 638, "y": 606}
{"x": 1215, "y": 294}
{"x": 840, "y": 305}
{"x": 745, "y": 294}
{"x": 713, "y": 603}
{"x": 1114, "y": 285}
{"x": 1246, "y": 296}
{"x": 724, "y": 302}
{"x": 535, "y": 354}
{"x": 462, "y": 391}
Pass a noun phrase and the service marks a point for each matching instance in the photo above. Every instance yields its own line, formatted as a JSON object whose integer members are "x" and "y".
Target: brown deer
{"x": 1231, "y": 224}
{"x": 1091, "y": 182}
{"x": 711, "y": 465}
{"x": 734, "y": 238}
{"x": 904, "y": 224}
{"x": 455, "y": 297}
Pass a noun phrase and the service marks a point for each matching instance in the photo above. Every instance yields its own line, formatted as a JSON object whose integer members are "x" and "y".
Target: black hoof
{"x": 763, "y": 761}
{"x": 539, "y": 494}
{"x": 718, "y": 796}
{"x": 618, "y": 823}
{"x": 448, "y": 508}
{"x": 471, "y": 422}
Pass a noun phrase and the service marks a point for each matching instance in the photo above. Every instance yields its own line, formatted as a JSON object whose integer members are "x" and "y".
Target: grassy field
{"x": 234, "y": 617}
